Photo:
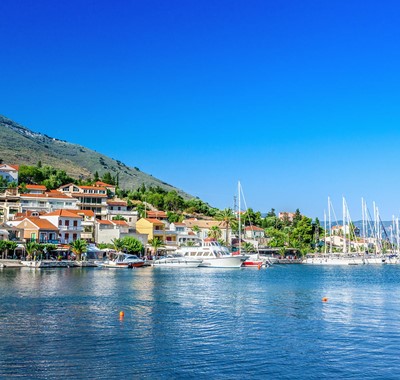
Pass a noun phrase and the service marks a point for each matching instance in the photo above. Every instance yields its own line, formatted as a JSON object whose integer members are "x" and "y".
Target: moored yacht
{"x": 212, "y": 255}
{"x": 122, "y": 260}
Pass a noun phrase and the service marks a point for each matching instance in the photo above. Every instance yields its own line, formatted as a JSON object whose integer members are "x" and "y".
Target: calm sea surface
{"x": 201, "y": 323}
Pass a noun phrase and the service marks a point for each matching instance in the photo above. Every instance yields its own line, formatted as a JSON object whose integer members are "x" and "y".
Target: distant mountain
{"x": 19, "y": 145}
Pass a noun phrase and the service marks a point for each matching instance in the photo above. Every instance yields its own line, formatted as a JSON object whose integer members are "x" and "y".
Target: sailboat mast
{"x": 325, "y": 232}
{"x": 344, "y": 227}
{"x": 330, "y": 225}
{"x": 239, "y": 227}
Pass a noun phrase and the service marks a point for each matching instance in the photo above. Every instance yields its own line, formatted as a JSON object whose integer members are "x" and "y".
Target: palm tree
{"x": 228, "y": 219}
{"x": 30, "y": 249}
{"x": 214, "y": 232}
{"x": 156, "y": 243}
{"x": 196, "y": 230}
{"x": 78, "y": 247}
{"x": 248, "y": 247}
{"x": 118, "y": 244}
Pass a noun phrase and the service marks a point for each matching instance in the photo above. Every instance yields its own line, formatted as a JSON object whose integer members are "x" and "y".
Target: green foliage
{"x": 228, "y": 218}
{"x": 78, "y": 247}
{"x": 174, "y": 217}
{"x": 132, "y": 245}
{"x": 215, "y": 232}
{"x": 44, "y": 175}
{"x": 118, "y": 244}
{"x": 248, "y": 247}
{"x": 156, "y": 243}
{"x": 119, "y": 217}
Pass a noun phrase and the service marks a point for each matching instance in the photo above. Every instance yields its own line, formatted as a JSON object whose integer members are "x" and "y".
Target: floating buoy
{"x": 325, "y": 299}
{"x": 259, "y": 266}
{"x": 121, "y": 314}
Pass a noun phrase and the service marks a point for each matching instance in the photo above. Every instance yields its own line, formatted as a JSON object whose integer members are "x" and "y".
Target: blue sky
{"x": 296, "y": 99}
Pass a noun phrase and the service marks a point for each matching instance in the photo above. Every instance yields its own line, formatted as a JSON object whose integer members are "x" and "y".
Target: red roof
{"x": 120, "y": 222}
{"x": 253, "y": 228}
{"x": 47, "y": 195}
{"x": 42, "y": 224}
{"x": 104, "y": 222}
{"x": 64, "y": 213}
{"x": 36, "y": 187}
{"x": 82, "y": 212}
{"x": 117, "y": 203}
{"x": 99, "y": 183}
{"x": 157, "y": 214}
{"x": 154, "y": 221}
{"x": 92, "y": 188}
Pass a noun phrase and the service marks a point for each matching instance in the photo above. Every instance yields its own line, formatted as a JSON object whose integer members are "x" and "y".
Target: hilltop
{"x": 19, "y": 145}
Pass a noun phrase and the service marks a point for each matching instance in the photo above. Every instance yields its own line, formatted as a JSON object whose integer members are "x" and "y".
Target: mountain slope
{"x": 19, "y": 145}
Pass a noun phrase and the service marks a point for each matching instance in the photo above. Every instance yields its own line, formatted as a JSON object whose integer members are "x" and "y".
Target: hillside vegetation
{"x": 21, "y": 146}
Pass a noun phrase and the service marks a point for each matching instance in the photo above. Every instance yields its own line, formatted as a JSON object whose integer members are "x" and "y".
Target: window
{"x": 74, "y": 237}
{"x": 67, "y": 222}
{"x": 60, "y": 222}
{"x": 75, "y": 223}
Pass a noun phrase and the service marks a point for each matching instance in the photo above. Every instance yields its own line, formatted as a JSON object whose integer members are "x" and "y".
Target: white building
{"x": 9, "y": 172}
{"x": 69, "y": 225}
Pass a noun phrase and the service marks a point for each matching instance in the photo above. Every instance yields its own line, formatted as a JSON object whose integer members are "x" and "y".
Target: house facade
{"x": 69, "y": 225}
{"x": 38, "y": 230}
{"x": 48, "y": 201}
{"x": 9, "y": 172}
{"x": 119, "y": 207}
{"x": 92, "y": 198}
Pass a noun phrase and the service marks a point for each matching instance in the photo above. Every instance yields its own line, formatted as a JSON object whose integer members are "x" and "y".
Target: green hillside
{"x": 19, "y": 145}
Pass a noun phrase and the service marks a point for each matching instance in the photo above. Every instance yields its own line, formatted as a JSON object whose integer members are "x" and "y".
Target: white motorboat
{"x": 212, "y": 255}
{"x": 122, "y": 260}
{"x": 176, "y": 262}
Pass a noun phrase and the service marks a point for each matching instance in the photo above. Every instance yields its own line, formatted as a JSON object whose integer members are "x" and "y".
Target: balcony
{"x": 70, "y": 228}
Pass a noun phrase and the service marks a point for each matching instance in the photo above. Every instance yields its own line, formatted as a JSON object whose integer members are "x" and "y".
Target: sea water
{"x": 201, "y": 323}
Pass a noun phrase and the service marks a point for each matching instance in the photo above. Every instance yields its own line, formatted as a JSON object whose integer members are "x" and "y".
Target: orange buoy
{"x": 325, "y": 299}
{"x": 121, "y": 314}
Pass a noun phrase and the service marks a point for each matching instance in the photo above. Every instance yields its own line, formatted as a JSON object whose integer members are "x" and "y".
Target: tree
{"x": 228, "y": 218}
{"x": 156, "y": 243}
{"x": 196, "y": 230}
{"x": 214, "y": 232}
{"x": 78, "y": 247}
{"x": 173, "y": 201}
{"x": 118, "y": 217}
{"x": 118, "y": 244}
{"x": 132, "y": 245}
{"x": 248, "y": 247}
{"x": 30, "y": 248}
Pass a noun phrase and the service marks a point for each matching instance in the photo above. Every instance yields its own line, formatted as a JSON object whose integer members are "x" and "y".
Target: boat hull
{"x": 176, "y": 263}
{"x": 223, "y": 262}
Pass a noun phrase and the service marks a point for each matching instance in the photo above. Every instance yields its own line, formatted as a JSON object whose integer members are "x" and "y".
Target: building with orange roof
{"x": 108, "y": 230}
{"x": 38, "y": 230}
{"x": 48, "y": 201}
{"x": 92, "y": 198}
{"x": 119, "y": 207}
{"x": 254, "y": 232}
{"x": 9, "y": 172}
{"x": 69, "y": 224}
{"x": 88, "y": 223}
{"x": 155, "y": 228}
{"x": 35, "y": 189}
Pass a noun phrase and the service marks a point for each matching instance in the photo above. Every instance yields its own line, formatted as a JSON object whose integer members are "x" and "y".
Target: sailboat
{"x": 338, "y": 258}
{"x": 254, "y": 260}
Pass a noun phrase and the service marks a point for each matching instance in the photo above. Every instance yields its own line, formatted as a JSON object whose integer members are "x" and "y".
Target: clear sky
{"x": 296, "y": 99}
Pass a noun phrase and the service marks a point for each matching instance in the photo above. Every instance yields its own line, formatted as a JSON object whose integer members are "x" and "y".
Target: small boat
{"x": 49, "y": 264}
{"x": 176, "y": 262}
{"x": 122, "y": 260}
{"x": 253, "y": 261}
